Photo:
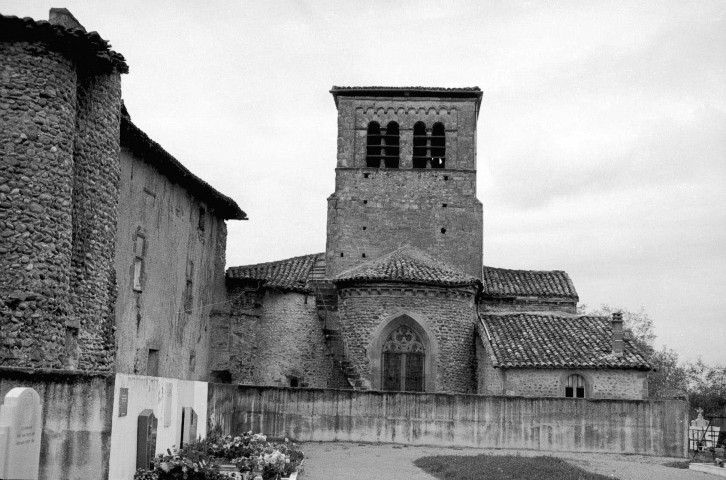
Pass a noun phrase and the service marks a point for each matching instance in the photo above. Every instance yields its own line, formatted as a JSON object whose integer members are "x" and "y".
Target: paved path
{"x": 352, "y": 461}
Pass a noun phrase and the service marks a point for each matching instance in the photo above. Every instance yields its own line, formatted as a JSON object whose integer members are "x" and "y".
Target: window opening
{"x": 152, "y": 363}
{"x": 443, "y": 205}
{"x": 403, "y": 361}
{"x": 420, "y": 141}
{"x": 364, "y": 255}
{"x": 443, "y": 230}
{"x": 391, "y": 148}
{"x": 139, "y": 258}
{"x": 575, "y": 386}
{"x": 373, "y": 145}
{"x": 438, "y": 146}
{"x": 341, "y": 254}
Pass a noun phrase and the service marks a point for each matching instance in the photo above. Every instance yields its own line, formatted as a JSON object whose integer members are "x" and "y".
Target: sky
{"x": 601, "y": 136}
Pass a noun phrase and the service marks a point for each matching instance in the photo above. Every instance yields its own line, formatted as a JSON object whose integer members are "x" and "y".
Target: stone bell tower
{"x": 406, "y": 174}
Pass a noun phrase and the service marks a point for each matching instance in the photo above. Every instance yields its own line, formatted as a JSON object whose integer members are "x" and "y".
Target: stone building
{"x": 400, "y": 299}
{"x": 110, "y": 247}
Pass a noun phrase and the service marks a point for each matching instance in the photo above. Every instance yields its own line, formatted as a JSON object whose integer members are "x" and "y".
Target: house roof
{"x": 500, "y": 282}
{"x": 290, "y": 274}
{"x": 406, "y": 264}
{"x": 547, "y": 340}
{"x": 87, "y": 48}
{"x": 134, "y": 139}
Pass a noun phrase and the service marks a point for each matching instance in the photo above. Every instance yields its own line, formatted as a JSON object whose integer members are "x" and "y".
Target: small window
{"x": 152, "y": 363}
{"x": 575, "y": 387}
{"x": 202, "y": 219}
{"x": 139, "y": 257}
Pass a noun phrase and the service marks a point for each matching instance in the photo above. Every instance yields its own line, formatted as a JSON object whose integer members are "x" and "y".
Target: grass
{"x": 678, "y": 464}
{"x": 502, "y": 467}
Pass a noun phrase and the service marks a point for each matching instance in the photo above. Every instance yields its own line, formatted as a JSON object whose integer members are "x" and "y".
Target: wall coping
{"x": 52, "y": 374}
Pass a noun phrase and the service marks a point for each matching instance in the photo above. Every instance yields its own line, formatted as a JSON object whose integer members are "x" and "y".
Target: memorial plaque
{"x": 20, "y": 431}
{"x": 146, "y": 439}
{"x": 189, "y": 426}
{"x": 123, "y": 402}
{"x": 167, "y": 404}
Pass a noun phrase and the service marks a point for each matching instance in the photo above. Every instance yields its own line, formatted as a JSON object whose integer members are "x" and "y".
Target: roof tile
{"x": 503, "y": 282}
{"x": 406, "y": 264}
{"x": 290, "y": 274}
{"x": 546, "y": 340}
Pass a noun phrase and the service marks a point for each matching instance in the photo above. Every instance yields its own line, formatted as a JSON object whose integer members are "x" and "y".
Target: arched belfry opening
{"x": 373, "y": 145}
{"x": 392, "y": 148}
{"x": 420, "y": 141}
{"x": 403, "y": 355}
{"x": 438, "y": 146}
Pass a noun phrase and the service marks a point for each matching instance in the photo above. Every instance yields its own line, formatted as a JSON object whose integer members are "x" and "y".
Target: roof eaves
{"x": 133, "y": 138}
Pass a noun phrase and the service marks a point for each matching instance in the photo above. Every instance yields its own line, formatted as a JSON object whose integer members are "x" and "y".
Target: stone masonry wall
{"x": 435, "y": 210}
{"x": 59, "y": 141}
{"x": 37, "y": 123}
{"x": 95, "y": 200}
{"x": 490, "y": 380}
{"x": 449, "y": 313}
{"x": 275, "y": 337}
{"x": 528, "y": 304}
{"x": 614, "y": 384}
{"x": 182, "y": 280}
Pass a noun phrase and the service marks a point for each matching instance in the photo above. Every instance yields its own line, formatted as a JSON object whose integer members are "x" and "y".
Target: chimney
{"x": 617, "y": 340}
{"x": 64, "y": 18}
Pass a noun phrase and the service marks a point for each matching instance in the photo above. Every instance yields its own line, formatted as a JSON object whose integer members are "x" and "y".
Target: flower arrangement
{"x": 253, "y": 456}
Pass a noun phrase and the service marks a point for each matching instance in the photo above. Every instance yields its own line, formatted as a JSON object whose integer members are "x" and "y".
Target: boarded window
{"x": 152, "y": 363}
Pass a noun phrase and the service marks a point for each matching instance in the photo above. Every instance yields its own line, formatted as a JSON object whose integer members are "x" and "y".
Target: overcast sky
{"x": 601, "y": 136}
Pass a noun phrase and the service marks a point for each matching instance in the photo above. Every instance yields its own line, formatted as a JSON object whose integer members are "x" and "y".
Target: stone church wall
{"x": 274, "y": 338}
{"x": 58, "y": 191}
{"x": 183, "y": 274}
{"x": 449, "y": 314}
{"x": 528, "y": 304}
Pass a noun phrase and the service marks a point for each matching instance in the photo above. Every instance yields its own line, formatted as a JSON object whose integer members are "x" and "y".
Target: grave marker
{"x": 189, "y": 426}
{"x": 20, "y": 432}
{"x": 146, "y": 439}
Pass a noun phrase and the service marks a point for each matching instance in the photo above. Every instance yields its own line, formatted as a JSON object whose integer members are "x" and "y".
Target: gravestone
{"x": 701, "y": 434}
{"x": 146, "y": 439}
{"x": 20, "y": 431}
{"x": 189, "y": 426}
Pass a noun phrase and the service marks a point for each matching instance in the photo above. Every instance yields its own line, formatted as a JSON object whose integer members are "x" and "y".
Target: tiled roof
{"x": 406, "y": 264}
{"x": 501, "y": 282}
{"x": 88, "y": 48}
{"x": 133, "y": 138}
{"x": 534, "y": 340}
{"x": 289, "y": 274}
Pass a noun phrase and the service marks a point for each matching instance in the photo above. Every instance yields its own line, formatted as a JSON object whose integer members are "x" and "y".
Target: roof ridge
{"x": 264, "y": 264}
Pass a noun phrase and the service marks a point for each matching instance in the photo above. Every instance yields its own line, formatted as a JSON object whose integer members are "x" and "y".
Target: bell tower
{"x": 406, "y": 173}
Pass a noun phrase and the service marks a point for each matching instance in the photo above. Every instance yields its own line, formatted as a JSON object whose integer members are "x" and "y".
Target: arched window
{"x": 373, "y": 145}
{"x": 403, "y": 361}
{"x": 391, "y": 148}
{"x": 420, "y": 141}
{"x": 438, "y": 146}
{"x": 575, "y": 386}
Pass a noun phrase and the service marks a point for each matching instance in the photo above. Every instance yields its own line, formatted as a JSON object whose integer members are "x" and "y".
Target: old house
{"x": 400, "y": 300}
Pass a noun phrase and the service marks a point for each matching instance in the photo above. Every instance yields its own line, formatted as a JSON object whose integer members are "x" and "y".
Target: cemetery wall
{"x": 655, "y": 427}
{"x": 183, "y": 256}
{"x": 76, "y": 421}
{"x": 166, "y": 397}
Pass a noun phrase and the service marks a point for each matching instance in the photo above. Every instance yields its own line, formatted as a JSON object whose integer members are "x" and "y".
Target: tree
{"x": 707, "y": 387}
{"x": 668, "y": 379}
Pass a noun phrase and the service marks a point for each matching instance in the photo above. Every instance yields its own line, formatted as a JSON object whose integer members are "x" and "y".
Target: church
{"x": 401, "y": 300}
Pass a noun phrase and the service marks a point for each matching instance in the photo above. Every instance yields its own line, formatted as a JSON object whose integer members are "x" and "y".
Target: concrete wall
{"x": 551, "y": 424}
{"x": 169, "y": 314}
{"x": 76, "y": 438}
{"x": 269, "y": 337}
{"x": 166, "y": 397}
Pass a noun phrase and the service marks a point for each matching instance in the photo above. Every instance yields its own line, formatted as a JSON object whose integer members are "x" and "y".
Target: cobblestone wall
{"x": 59, "y": 129}
{"x": 273, "y": 338}
{"x": 448, "y": 313}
